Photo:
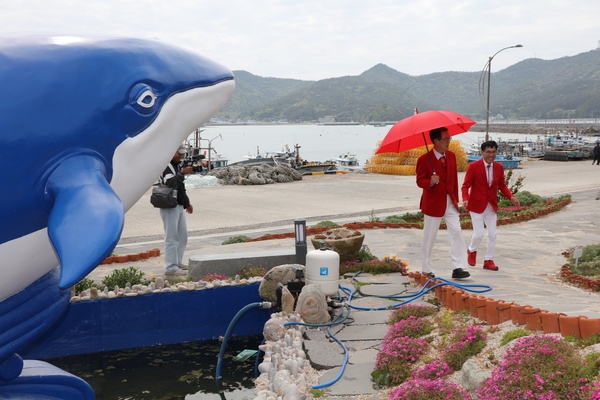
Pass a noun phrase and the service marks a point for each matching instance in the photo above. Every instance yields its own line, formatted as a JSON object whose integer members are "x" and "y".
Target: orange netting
{"x": 405, "y": 163}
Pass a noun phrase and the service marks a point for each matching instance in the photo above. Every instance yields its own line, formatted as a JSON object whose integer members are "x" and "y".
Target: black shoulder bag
{"x": 164, "y": 196}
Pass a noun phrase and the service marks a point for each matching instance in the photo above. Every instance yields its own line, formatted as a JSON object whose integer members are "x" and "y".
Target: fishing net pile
{"x": 256, "y": 175}
{"x": 405, "y": 163}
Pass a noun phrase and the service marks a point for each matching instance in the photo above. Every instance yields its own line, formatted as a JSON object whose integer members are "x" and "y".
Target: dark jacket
{"x": 176, "y": 182}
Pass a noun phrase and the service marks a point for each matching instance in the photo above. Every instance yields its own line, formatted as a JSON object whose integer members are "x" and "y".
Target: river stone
{"x": 473, "y": 375}
{"x": 276, "y": 275}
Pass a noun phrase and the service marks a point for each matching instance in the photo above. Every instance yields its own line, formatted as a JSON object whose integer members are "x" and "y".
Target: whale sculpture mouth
{"x": 181, "y": 114}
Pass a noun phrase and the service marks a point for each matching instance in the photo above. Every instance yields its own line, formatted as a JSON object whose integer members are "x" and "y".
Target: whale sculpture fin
{"x": 87, "y": 216}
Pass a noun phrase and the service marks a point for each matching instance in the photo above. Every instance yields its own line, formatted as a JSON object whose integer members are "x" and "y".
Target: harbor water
{"x": 318, "y": 142}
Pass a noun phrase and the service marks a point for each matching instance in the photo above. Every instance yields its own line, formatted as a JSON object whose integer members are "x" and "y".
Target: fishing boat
{"x": 347, "y": 162}
{"x": 271, "y": 158}
{"x": 289, "y": 158}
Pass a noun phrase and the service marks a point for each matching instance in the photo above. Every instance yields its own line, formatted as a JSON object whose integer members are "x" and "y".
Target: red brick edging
{"x": 123, "y": 258}
{"x": 495, "y": 312}
{"x": 419, "y": 225}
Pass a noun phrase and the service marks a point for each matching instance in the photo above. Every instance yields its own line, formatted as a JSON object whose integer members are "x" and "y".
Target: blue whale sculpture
{"x": 86, "y": 126}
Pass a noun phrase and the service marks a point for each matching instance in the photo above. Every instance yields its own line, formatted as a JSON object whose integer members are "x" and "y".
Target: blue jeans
{"x": 176, "y": 236}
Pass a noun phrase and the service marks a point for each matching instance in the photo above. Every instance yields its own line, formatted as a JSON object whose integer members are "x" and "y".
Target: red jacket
{"x": 475, "y": 187}
{"x": 433, "y": 199}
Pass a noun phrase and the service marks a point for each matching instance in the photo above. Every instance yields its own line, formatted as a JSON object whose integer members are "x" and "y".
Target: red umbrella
{"x": 413, "y": 131}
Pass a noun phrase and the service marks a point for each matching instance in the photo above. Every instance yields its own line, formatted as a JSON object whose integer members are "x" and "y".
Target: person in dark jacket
{"x": 596, "y": 154}
{"x": 174, "y": 220}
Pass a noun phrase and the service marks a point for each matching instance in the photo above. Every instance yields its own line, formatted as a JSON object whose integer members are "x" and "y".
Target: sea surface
{"x": 318, "y": 142}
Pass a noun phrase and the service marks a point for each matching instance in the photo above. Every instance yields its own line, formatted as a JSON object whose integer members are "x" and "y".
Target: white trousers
{"x": 487, "y": 219}
{"x": 431, "y": 226}
{"x": 176, "y": 236}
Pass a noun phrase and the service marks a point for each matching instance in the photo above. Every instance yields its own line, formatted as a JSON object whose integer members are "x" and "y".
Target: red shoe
{"x": 471, "y": 257}
{"x": 490, "y": 266}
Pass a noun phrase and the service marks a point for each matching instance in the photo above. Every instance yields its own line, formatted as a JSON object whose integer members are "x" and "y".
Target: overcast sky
{"x": 319, "y": 39}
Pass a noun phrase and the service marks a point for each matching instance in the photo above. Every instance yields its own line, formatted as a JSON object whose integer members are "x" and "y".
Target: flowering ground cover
{"x": 423, "y": 352}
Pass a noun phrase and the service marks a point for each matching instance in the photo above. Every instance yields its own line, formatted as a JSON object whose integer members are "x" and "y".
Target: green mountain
{"x": 567, "y": 87}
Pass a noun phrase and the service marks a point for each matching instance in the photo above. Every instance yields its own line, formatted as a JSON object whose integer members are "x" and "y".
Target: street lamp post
{"x": 488, "y": 66}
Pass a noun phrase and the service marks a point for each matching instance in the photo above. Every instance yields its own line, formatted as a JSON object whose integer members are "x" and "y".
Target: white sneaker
{"x": 183, "y": 267}
{"x": 177, "y": 272}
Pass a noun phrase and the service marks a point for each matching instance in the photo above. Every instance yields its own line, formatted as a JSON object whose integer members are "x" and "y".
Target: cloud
{"x": 317, "y": 39}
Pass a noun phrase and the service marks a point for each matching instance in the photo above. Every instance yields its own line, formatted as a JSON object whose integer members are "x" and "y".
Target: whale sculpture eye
{"x": 146, "y": 99}
{"x": 142, "y": 98}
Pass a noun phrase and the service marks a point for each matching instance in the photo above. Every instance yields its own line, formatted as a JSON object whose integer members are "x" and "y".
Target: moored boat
{"x": 288, "y": 158}
{"x": 347, "y": 162}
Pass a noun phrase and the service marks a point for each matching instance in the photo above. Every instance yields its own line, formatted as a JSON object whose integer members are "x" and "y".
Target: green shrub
{"x": 236, "y": 239}
{"x": 373, "y": 217}
{"x": 385, "y": 266}
{"x": 527, "y": 199}
{"x": 591, "y": 365}
{"x": 364, "y": 254}
{"x": 589, "y": 263}
{"x": 590, "y": 341}
{"x": 121, "y": 277}
{"x": 513, "y": 187}
{"x": 84, "y": 284}
{"x": 512, "y": 335}
{"x": 394, "y": 219}
{"x": 325, "y": 224}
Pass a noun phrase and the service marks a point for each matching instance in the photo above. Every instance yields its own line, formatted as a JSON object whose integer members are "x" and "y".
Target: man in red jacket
{"x": 480, "y": 196}
{"x": 438, "y": 177}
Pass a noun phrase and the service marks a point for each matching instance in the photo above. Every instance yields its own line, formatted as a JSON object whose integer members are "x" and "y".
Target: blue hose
{"x": 350, "y": 292}
{"x": 469, "y": 287}
{"x": 228, "y": 333}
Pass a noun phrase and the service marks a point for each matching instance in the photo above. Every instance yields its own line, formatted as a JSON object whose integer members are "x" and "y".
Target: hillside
{"x": 568, "y": 87}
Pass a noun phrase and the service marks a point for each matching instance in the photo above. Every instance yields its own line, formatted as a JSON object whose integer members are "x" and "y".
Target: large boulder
{"x": 276, "y": 275}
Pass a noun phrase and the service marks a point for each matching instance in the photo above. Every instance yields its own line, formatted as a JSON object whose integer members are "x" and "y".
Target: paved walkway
{"x": 529, "y": 255}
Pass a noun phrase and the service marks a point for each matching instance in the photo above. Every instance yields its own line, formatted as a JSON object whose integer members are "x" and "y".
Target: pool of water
{"x": 183, "y": 371}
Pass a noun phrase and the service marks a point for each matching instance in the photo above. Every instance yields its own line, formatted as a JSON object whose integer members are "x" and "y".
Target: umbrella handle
{"x": 428, "y": 154}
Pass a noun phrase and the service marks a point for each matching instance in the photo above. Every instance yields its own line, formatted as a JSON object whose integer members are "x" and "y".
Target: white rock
{"x": 273, "y": 330}
{"x": 111, "y": 295}
{"x": 264, "y": 367}
{"x": 159, "y": 282}
{"x": 281, "y": 381}
{"x": 75, "y": 299}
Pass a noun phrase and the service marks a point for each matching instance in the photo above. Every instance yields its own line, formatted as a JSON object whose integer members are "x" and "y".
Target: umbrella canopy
{"x": 413, "y": 131}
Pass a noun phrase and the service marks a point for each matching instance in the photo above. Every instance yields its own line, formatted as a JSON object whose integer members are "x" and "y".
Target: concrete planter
{"x": 346, "y": 247}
